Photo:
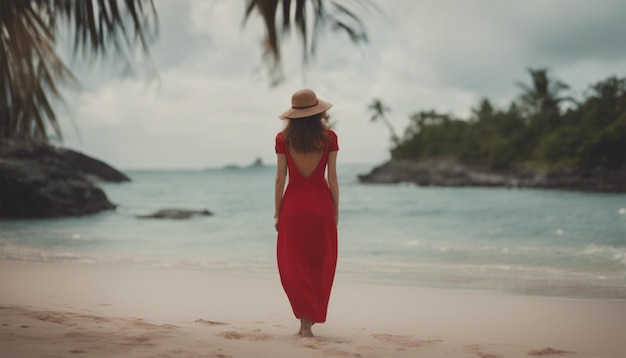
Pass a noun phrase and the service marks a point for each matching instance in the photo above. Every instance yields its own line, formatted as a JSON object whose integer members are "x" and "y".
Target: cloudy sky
{"x": 211, "y": 103}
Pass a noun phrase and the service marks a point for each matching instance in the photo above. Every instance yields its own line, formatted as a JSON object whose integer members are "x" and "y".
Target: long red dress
{"x": 307, "y": 237}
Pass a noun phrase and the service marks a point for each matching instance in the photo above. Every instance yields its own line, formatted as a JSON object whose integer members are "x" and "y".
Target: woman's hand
{"x": 276, "y": 223}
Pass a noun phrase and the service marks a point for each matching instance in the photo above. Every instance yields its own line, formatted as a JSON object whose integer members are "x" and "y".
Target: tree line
{"x": 541, "y": 127}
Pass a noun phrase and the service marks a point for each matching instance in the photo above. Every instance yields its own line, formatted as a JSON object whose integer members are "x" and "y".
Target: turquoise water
{"x": 526, "y": 241}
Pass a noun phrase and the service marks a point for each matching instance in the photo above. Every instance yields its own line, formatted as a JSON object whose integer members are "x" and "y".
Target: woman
{"x": 307, "y": 212}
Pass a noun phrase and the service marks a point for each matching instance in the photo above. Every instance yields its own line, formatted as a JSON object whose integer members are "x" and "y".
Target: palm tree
{"x": 30, "y": 68}
{"x": 544, "y": 95}
{"x": 339, "y": 15}
{"x": 378, "y": 110}
{"x": 484, "y": 110}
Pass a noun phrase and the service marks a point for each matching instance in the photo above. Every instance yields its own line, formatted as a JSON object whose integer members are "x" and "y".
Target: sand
{"x": 92, "y": 310}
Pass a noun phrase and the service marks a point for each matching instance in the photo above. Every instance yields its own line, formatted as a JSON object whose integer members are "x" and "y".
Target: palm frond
{"x": 98, "y": 25}
{"x": 339, "y": 17}
{"x": 29, "y": 68}
{"x": 544, "y": 93}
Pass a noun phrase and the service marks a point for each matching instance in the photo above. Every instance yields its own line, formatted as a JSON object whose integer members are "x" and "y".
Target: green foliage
{"x": 590, "y": 134}
{"x": 436, "y": 133}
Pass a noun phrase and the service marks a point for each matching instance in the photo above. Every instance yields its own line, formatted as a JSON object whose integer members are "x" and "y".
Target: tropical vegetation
{"x": 542, "y": 127}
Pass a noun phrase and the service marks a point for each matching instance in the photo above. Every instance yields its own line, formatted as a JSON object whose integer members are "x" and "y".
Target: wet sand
{"x": 90, "y": 310}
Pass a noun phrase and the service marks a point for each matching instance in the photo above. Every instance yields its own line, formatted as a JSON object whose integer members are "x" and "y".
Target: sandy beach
{"x": 90, "y": 310}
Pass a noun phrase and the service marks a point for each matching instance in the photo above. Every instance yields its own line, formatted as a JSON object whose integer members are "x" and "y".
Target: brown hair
{"x": 307, "y": 134}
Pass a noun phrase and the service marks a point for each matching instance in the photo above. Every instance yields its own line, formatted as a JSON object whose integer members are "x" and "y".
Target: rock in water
{"x": 175, "y": 214}
{"x": 45, "y": 181}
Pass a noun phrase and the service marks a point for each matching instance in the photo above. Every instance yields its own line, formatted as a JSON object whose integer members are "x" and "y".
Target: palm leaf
{"x": 31, "y": 70}
{"x": 340, "y": 17}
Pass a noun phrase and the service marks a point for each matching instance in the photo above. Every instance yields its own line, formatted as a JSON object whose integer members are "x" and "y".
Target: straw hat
{"x": 304, "y": 103}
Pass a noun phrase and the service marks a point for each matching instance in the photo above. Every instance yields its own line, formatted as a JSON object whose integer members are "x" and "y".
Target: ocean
{"x": 525, "y": 241}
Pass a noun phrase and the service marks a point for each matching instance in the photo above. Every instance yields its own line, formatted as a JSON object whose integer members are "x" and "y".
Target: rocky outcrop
{"x": 47, "y": 181}
{"x": 453, "y": 174}
{"x": 175, "y": 214}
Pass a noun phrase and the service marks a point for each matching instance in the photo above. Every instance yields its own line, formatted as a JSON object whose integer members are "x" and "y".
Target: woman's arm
{"x": 333, "y": 182}
{"x": 279, "y": 188}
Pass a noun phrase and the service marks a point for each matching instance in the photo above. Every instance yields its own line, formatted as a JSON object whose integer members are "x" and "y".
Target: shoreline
{"x": 451, "y": 173}
{"x": 424, "y": 278}
{"x": 524, "y": 280}
{"x": 101, "y": 310}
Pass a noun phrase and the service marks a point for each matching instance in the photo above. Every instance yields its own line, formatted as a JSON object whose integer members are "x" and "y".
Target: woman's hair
{"x": 307, "y": 134}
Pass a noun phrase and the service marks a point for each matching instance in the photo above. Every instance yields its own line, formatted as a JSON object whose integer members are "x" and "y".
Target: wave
{"x": 12, "y": 252}
{"x": 598, "y": 255}
{"x": 535, "y": 280}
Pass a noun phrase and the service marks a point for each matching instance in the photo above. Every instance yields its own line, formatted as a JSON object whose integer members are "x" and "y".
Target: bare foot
{"x": 305, "y": 328}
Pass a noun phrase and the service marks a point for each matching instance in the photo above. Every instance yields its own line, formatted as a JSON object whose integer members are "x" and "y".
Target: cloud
{"x": 178, "y": 40}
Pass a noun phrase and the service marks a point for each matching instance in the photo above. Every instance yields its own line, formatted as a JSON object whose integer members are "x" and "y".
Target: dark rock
{"x": 46, "y": 181}
{"x": 175, "y": 214}
{"x": 61, "y": 158}
{"x": 453, "y": 174}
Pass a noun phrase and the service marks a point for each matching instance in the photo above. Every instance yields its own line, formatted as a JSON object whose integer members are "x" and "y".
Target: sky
{"x": 209, "y": 102}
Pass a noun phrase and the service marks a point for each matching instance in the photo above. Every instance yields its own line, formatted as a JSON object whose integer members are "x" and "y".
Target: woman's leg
{"x": 305, "y": 328}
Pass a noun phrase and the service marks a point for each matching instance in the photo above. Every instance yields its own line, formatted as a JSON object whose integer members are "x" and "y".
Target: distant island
{"x": 258, "y": 163}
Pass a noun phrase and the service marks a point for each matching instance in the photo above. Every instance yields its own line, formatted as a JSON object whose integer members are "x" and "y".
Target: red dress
{"x": 307, "y": 237}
